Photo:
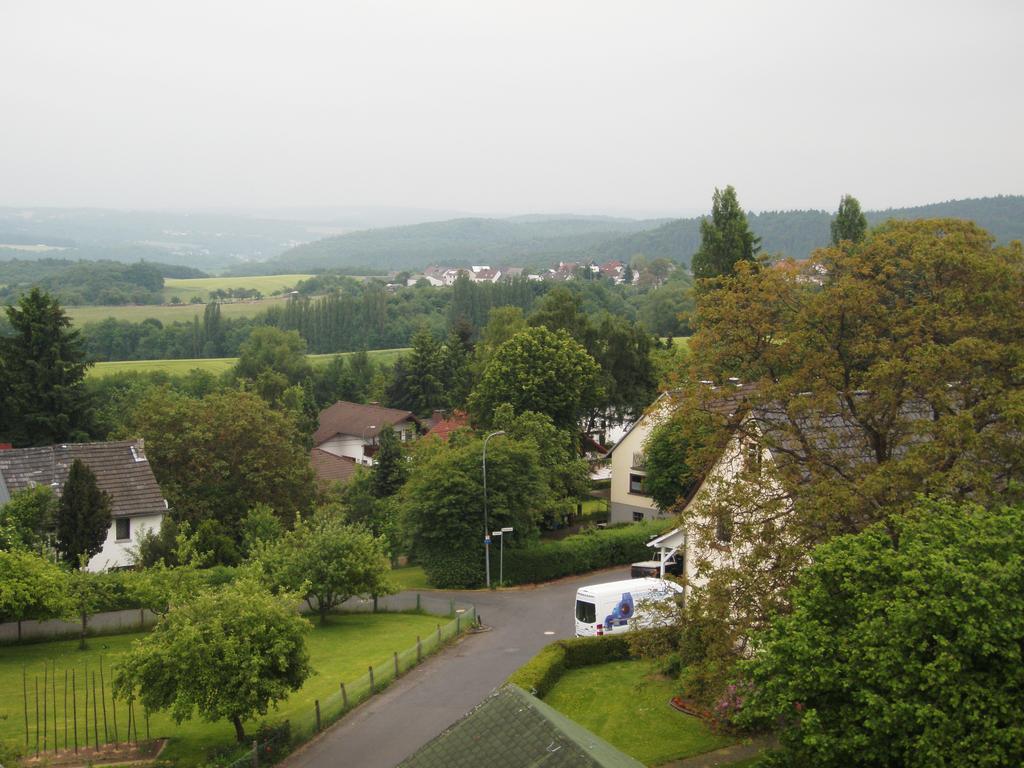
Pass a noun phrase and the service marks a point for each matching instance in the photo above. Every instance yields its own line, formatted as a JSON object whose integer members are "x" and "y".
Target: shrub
{"x": 540, "y": 673}
{"x": 452, "y": 568}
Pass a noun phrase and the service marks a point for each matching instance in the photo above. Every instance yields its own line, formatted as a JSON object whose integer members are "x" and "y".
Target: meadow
{"x": 218, "y": 365}
{"x": 339, "y": 652}
{"x": 166, "y": 313}
{"x": 186, "y": 288}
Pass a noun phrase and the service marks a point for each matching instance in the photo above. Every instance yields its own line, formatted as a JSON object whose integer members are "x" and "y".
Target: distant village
{"x": 614, "y": 270}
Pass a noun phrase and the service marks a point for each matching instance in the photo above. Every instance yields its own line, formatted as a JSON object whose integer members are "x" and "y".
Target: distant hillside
{"x": 540, "y": 240}
{"x": 461, "y": 242}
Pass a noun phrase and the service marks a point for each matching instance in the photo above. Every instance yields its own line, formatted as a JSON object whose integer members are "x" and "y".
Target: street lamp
{"x": 487, "y": 528}
{"x": 501, "y": 560}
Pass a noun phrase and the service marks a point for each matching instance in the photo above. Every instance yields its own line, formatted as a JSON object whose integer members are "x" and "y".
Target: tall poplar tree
{"x": 725, "y": 239}
{"x": 83, "y": 516}
{"x": 42, "y": 367}
{"x": 849, "y": 223}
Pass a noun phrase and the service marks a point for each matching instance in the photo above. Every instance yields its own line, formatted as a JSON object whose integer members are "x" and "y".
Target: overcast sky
{"x": 508, "y": 107}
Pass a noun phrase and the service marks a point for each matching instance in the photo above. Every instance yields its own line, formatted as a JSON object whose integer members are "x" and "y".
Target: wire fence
{"x": 278, "y": 741}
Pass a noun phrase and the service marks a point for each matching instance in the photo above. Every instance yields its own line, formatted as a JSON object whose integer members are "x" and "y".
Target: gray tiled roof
{"x": 121, "y": 470}
{"x": 512, "y": 729}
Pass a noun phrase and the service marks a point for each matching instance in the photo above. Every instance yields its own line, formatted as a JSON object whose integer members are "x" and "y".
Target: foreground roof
{"x": 512, "y": 729}
{"x": 121, "y": 469}
{"x": 344, "y": 418}
{"x": 330, "y": 467}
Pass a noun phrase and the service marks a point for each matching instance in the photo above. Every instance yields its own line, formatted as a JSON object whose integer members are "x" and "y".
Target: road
{"x": 392, "y": 725}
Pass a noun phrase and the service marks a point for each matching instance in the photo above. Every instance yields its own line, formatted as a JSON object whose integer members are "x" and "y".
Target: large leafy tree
{"x": 542, "y": 371}
{"x": 443, "y": 503}
{"x": 327, "y": 561}
{"x": 725, "y": 239}
{"x": 228, "y": 654}
{"x": 850, "y": 222}
{"x": 42, "y": 366}
{"x": 83, "y": 516}
{"x": 27, "y": 518}
{"x": 273, "y": 360}
{"x": 900, "y": 374}
{"x": 219, "y": 456}
{"x": 903, "y": 646}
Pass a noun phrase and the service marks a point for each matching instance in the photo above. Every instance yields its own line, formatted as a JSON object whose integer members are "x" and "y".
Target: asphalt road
{"x": 392, "y": 725}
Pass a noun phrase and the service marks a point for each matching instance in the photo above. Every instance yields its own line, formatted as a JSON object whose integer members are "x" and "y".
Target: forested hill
{"x": 522, "y": 240}
{"x": 529, "y": 241}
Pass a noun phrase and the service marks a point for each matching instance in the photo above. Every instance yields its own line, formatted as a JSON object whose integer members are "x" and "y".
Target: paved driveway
{"x": 392, "y": 725}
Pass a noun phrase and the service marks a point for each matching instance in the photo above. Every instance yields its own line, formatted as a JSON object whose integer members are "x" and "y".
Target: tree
{"x": 219, "y": 456}
{"x": 83, "y": 516}
{"x": 31, "y": 587}
{"x": 230, "y": 653}
{"x": 27, "y": 517}
{"x": 726, "y": 239}
{"x": 419, "y": 381}
{"x": 42, "y": 367}
{"x": 390, "y": 469}
{"x": 677, "y": 454}
{"x": 903, "y": 646}
{"x": 273, "y": 360}
{"x": 541, "y": 371}
{"x": 327, "y": 562}
{"x": 898, "y": 375}
{"x": 443, "y": 503}
{"x": 849, "y": 223}
{"x": 160, "y": 588}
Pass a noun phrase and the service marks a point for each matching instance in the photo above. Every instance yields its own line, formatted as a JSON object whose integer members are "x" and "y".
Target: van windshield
{"x": 586, "y": 612}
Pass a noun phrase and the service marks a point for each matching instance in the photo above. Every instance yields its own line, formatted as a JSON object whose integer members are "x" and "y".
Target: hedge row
{"x": 539, "y": 674}
{"x": 582, "y": 553}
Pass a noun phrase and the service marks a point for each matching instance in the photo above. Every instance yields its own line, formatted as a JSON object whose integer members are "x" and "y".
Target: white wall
{"x": 345, "y": 445}
{"x": 115, "y": 552}
{"x": 623, "y": 503}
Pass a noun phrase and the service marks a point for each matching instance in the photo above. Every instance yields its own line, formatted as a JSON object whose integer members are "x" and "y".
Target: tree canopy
{"x": 725, "y": 239}
{"x": 229, "y": 654}
{"x": 849, "y": 223}
{"x": 83, "y": 516}
{"x": 903, "y": 646}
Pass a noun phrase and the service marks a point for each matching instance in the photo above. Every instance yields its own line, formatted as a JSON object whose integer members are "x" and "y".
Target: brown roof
{"x": 121, "y": 469}
{"x": 345, "y": 418}
{"x": 442, "y": 426}
{"x": 330, "y": 468}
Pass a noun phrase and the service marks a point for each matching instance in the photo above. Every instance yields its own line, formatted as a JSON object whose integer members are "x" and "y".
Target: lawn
{"x": 167, "y": 313}
{"x": 339, "y": 652}
{"x": 221, "y": 364}
{"x": 186, "y": 288}
{"x": 626, "y": 704}
{"x": 410, "y": 577}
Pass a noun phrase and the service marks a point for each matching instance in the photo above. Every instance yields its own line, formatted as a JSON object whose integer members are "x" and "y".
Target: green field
{"x": 186, "y": 288}
{"x": 632, "y": 711}
{"x": 167, "y": 313}
{"x": 221, "y": 364}
{"x": 339, "y": 652}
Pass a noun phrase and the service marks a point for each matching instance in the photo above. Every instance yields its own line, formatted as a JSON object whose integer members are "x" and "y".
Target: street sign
{"x": 487, "y": 539}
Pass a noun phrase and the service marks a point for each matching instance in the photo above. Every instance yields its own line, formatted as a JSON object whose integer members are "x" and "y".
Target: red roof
{"x": 444, "y": 426}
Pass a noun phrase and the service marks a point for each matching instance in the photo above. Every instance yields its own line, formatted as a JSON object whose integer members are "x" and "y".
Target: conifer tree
{"x": 83, "y": 515}
{"x": 389, "y": 471}
{"x": 42, "y": 367}
{"x": 849, "y": 223}
{"x": 725, "y": 239}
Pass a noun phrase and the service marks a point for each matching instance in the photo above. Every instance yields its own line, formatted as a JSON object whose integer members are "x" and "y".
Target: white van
{"x": 618, "y": 606}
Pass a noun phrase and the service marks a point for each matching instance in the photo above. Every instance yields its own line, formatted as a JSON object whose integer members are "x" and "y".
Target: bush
{"x": 581, "y": 553}
{"x": 452, "y": 569}
{"x": 539, "y": 674}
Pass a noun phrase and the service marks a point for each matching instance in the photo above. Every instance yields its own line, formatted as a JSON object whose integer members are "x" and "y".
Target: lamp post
{"x": 501, "y": 557}
{"x": 487, "y": 528}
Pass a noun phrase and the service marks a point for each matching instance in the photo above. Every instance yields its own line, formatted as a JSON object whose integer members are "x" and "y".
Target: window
{"x": 638, "y": 517}
{"x": 586, "y": 612}
{"x": 122, "y": 528}
{"x": 723, "y": 528}
{"x": 636, "y": 483}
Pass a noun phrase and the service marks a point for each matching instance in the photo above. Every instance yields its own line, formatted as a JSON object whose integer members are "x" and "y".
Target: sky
{"x": 630, "y": 108}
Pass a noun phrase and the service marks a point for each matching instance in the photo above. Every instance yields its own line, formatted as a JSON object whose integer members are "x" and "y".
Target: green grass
{"x": 186, "y": 288}
{"x": 626, "y": 704}
{"x": 167, "y": 313}
{"x": 339, "y": 652}
{"x": 410, "y": 577}
{"x": 218, "y": 365}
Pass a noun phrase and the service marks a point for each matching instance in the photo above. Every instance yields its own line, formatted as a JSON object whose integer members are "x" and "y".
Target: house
{"x": 351, "y": 429}
{"x": 330, "y": 468}
{"x": 628, "y": 500}
{"x": 442, "y": 424}
{"x": 121, "y": 469}
{"x": 513, "y": 729}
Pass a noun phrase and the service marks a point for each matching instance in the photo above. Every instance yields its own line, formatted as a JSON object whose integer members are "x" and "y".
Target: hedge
{"x": 540, "y": 673}
{"x": 582, "y": 553}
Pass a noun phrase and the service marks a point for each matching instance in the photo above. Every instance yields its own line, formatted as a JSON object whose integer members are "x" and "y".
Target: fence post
{"x": 317, "y": 702}
{"x": 417, "y": 601}
{"x": 439, "y": 634}
{"x": 371, "y": 679}
{"x": 344, "y": 696}
{"x": 419, "y": 650}
{"x": 255, "y": 754}
{"x": 396, "y": 663}
{"x": 458, "y": 624}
